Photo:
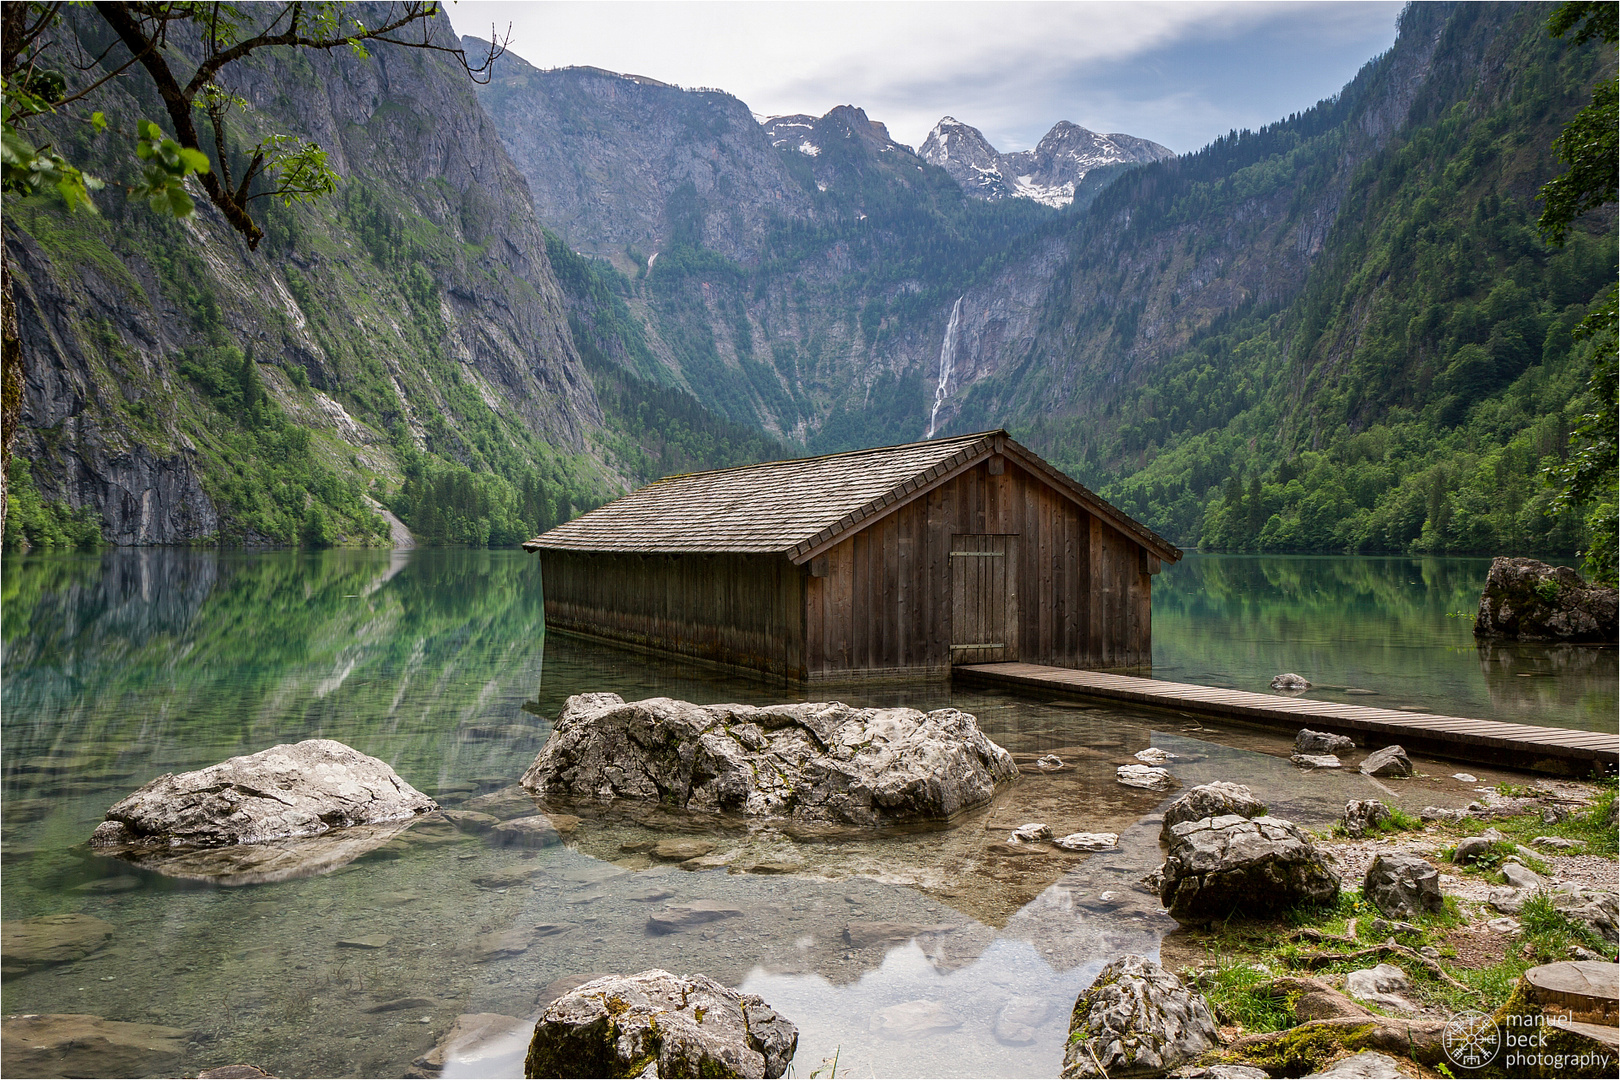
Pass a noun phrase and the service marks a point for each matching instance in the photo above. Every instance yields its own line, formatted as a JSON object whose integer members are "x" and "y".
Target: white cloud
{"x": 1011, "y": 69}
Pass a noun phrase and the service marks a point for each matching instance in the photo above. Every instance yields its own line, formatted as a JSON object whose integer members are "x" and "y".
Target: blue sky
{"x": 1177, "y": 73}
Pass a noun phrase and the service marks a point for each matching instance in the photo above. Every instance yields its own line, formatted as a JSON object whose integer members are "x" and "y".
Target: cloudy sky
{"x": 1177, "y": 73}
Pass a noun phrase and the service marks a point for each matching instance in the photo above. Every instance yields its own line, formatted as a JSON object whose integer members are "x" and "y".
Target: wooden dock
{"x": 1521, "y": 746}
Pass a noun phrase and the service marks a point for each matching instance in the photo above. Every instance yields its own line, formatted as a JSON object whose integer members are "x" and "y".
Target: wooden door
{"x": 984, "y": 598}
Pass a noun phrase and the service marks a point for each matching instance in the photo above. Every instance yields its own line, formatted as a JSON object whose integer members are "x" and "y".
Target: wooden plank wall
{"x": 741, "y": 610}
{"x": 884, "y": 606}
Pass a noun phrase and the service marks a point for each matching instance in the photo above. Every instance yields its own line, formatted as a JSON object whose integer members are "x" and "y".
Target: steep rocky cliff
{"x": 617, "y": 163}
{"x": 414, "y": 312}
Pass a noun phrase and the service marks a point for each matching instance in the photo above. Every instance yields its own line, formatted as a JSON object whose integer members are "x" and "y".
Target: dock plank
{"x": 1457, "y": 737}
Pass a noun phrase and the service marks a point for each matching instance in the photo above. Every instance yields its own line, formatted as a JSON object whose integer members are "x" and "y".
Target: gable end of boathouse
{"x": 894, "y": 562}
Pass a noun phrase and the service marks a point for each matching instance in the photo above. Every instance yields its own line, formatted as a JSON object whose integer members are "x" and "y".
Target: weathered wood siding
{"x": 879, "y": 602}
{"x": 741, "y": 610}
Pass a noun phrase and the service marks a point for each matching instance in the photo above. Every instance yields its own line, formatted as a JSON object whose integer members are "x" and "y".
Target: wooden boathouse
{"x": 901, "y": 561}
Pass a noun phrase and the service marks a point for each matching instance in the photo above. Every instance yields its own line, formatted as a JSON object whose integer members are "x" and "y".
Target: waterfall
{"x": 947, "y": 364}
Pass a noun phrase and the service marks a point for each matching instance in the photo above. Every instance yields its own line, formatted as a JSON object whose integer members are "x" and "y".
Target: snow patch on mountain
{"x": 1049, "y": 174}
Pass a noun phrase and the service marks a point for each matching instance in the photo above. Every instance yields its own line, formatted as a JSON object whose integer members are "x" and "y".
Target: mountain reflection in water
{"x": 935, "y": 951}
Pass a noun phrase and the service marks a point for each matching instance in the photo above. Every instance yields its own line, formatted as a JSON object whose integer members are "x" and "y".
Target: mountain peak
{"x": 1049, "y": 174}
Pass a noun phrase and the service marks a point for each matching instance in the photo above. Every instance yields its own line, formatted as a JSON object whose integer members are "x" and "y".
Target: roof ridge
{"x": 828, "y": 457}
{"x": 921, "y": 480}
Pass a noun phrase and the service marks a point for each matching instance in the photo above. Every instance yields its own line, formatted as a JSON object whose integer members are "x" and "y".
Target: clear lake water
{"x": 920, "y": 952}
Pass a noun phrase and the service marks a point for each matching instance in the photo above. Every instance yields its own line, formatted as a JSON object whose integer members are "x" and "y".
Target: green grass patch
{"x": 1231, "y": 989}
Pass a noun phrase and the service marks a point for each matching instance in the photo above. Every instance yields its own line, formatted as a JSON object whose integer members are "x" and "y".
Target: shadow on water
{"x": 940, "y": 951}
{"x": 1391, "y": 632}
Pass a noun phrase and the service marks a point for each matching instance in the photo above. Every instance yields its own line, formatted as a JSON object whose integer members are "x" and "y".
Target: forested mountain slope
{"x": 1411, "y": 394}
{"x": 1340, "y": 332}
{"x": 401, "y": 342}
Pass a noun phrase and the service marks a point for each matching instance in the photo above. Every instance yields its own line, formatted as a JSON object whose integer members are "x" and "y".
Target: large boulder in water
{"x": 1230, "y": 865}
{"x": 1137, "y": 1019}
{"x": 1526, "y": 600}
{"x": 287, "y": 791}
{"x": 658, "y": 1024}
{"x": 820, "y": 762}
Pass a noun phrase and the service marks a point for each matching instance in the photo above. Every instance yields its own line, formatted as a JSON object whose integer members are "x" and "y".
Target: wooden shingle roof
{"x": 798, "y": 508}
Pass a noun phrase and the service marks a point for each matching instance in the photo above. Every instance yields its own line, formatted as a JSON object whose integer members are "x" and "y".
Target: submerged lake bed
{"x": 939, "y": 952}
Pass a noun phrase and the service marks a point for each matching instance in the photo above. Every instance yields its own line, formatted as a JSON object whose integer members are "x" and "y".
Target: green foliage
{"x": 653, "y": 430}
{"x": 1550, "y": 933}
{"x": 229, "y": 378}
{"x": 1590, "y": 826}
{"x": 31, "y": 522}
{"x": 1416, "y": 394}
{"x": 1590, "y": 143}
{"x": 163, "y": 180}
{"x": 446, "y": 503}
{"x": 1231, "y": 988}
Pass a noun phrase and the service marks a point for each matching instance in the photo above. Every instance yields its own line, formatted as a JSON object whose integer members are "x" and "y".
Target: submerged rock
{"x": 658, "y": 1024}
{"x": 1290, "y": 681}
{"x": 1528, "y": 600}
{"x": 302, "y": 789}
{"x": 260, "y": 864}
{"x": 1017, "y": 1022}
{"x": 914, "y": 1020}
{"x": 26, "y": 944}
{"x": 1137, "y": 1019}
{"x": 1226, "y": 865}
{"x": 77, "y": 1044}
{"x": 678, "y": 917}
{"x": 1145, "y": 776}
{"x": 534, "y": 831}
{"x": 1088, "y": 841}
{"x": 1210, "y": 801}
{"x": 823, "y": 762}
{"x": 481, "y": 1044}
{"x": 1316, "y": 761}
{"x": 1402, "y": 886}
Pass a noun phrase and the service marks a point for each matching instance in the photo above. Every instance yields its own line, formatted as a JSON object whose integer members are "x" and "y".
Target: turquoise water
{"x": 1394, "y": 633}
{"x": 932, "y": 952}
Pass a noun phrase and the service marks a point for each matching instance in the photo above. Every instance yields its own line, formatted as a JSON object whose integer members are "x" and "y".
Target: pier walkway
{"x": 1520, "y": 746}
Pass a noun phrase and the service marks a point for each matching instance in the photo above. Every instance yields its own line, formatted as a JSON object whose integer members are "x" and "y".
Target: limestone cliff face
{"x": 416, "y": 305}
{"x": 622, "y": 161}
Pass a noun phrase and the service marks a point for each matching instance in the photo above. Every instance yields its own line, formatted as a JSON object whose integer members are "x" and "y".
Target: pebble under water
{"x": 923, "y": 952}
